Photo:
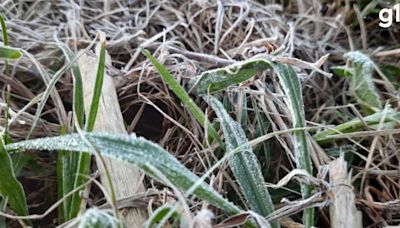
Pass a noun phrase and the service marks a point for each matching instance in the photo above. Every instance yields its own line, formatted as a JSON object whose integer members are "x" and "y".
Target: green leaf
{"x": 218, "y": 79}
{"x": 391, "y": 117}
{"x": 69, "y": 166}
{"x": 292, "y": 89}
{"x": 137, "y": 151}
{"x": 262, "y": 128}
{"x": 244, "y": 164}
{"x": 9, "y": 53}
{"x": 4, "y": 30}
{"x": 98, "y": 86}
{"x": 184, "y": 97}
{"x": 160, "y": 214}
{"x": 343, "y": 71}
{"x": 361, "y": 85}
{"x": 10, "y": 188}
{"x": 215, "y": 80}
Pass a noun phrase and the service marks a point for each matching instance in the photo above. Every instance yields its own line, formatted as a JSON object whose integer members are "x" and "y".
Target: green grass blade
{"x": 5, "y": 37}
{"x": 215, "y": 80}
{"x": 78, "y": 104}
{"x": 82, "y": 161}
{"x": 391, "y": 117}
{"x": 262, "y": 128}
{"x": 244, "y": 164}
{"x": 98, "y": 86}
{"x": 361, "y": 85}
{"x": 9, "y": 53}
{"x": 10, "y": 188}
{"x": 292, "y": 89}
{"x": 4, "y": 30}
{"x": 184, "y": 97}
{"x": 137, "y": 151}
{"x": 68, "y": 163}
{"x": 160, "y": 214}
{"x": 218, "y": 79}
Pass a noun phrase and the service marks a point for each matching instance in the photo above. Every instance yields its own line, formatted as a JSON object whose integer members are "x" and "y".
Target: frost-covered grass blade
{"x": 218, "y": 79}
{"x": 96, "y": 218}
{"x": 294, "y": 98}
{"x": 361, "y": 85}
{"x": 244, "y": 164}
{"x": 137, "y": 151}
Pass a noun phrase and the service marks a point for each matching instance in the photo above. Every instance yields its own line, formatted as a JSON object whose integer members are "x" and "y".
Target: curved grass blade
{"x": 361, "y": 85}
{"x": 10, "y": 188}
{"x": 218, "y": 79}
{"x": 292, "y": 89}
{"x": 244, "y": 164}
{"x": 391, "y": 118}
{"x": 184, "y": 97}
{"x": 137, "y": 151}
{"x": 9, "y": 53}
{"x": 160, "y": 214}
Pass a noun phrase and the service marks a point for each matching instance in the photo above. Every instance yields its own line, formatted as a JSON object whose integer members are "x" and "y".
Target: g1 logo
{"x": 386, "y": 16}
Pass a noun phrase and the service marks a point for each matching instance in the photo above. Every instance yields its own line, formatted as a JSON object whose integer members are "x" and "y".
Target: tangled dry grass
{"x": 190, "y": 37}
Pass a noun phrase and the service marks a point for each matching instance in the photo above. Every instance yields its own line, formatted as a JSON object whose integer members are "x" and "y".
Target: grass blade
{"x": 292, "y": 88}
{"x": 67, "y": 163}
{"x": 391, "y": 117}
{"x": 361, "y": 85}
{"x": 215, "y": 80}
{"x": 137, "y": 151}
{"x": 98, "y": 86}
{"x": 10, "y": 188}
{"x": 5, "y": 37}
{"x": 184, "y": 97}
{"x": 218, "y": 79}
{"x": 262, "y": 128}
{"x": 4, "y": 30}
{"x": 244, "y": 164}
{"x": 9, "y": 53}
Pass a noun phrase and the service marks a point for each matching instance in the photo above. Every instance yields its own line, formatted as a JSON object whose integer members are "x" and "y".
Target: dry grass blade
{"x": 343, "y": 211}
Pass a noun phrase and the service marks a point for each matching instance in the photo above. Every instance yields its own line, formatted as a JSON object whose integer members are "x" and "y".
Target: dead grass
{"x": 190, "y": 37}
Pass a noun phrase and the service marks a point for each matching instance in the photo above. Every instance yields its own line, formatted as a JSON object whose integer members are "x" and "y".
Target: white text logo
{"x": 386, "y": 16}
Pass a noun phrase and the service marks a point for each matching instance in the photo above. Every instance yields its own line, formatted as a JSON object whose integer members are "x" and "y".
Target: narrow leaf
{"x": 390, "y": 117}
{"x": 4, "y": 30}
{"x": 218, "y": 79}
{"x": 10, "y": 188}
{"x": 137, "y": 151}
{"x": 244, "y": 164}
{"x": 292, "y": 89}
{"x": 98, "y": 86}
{"x": 184, "y": 97}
